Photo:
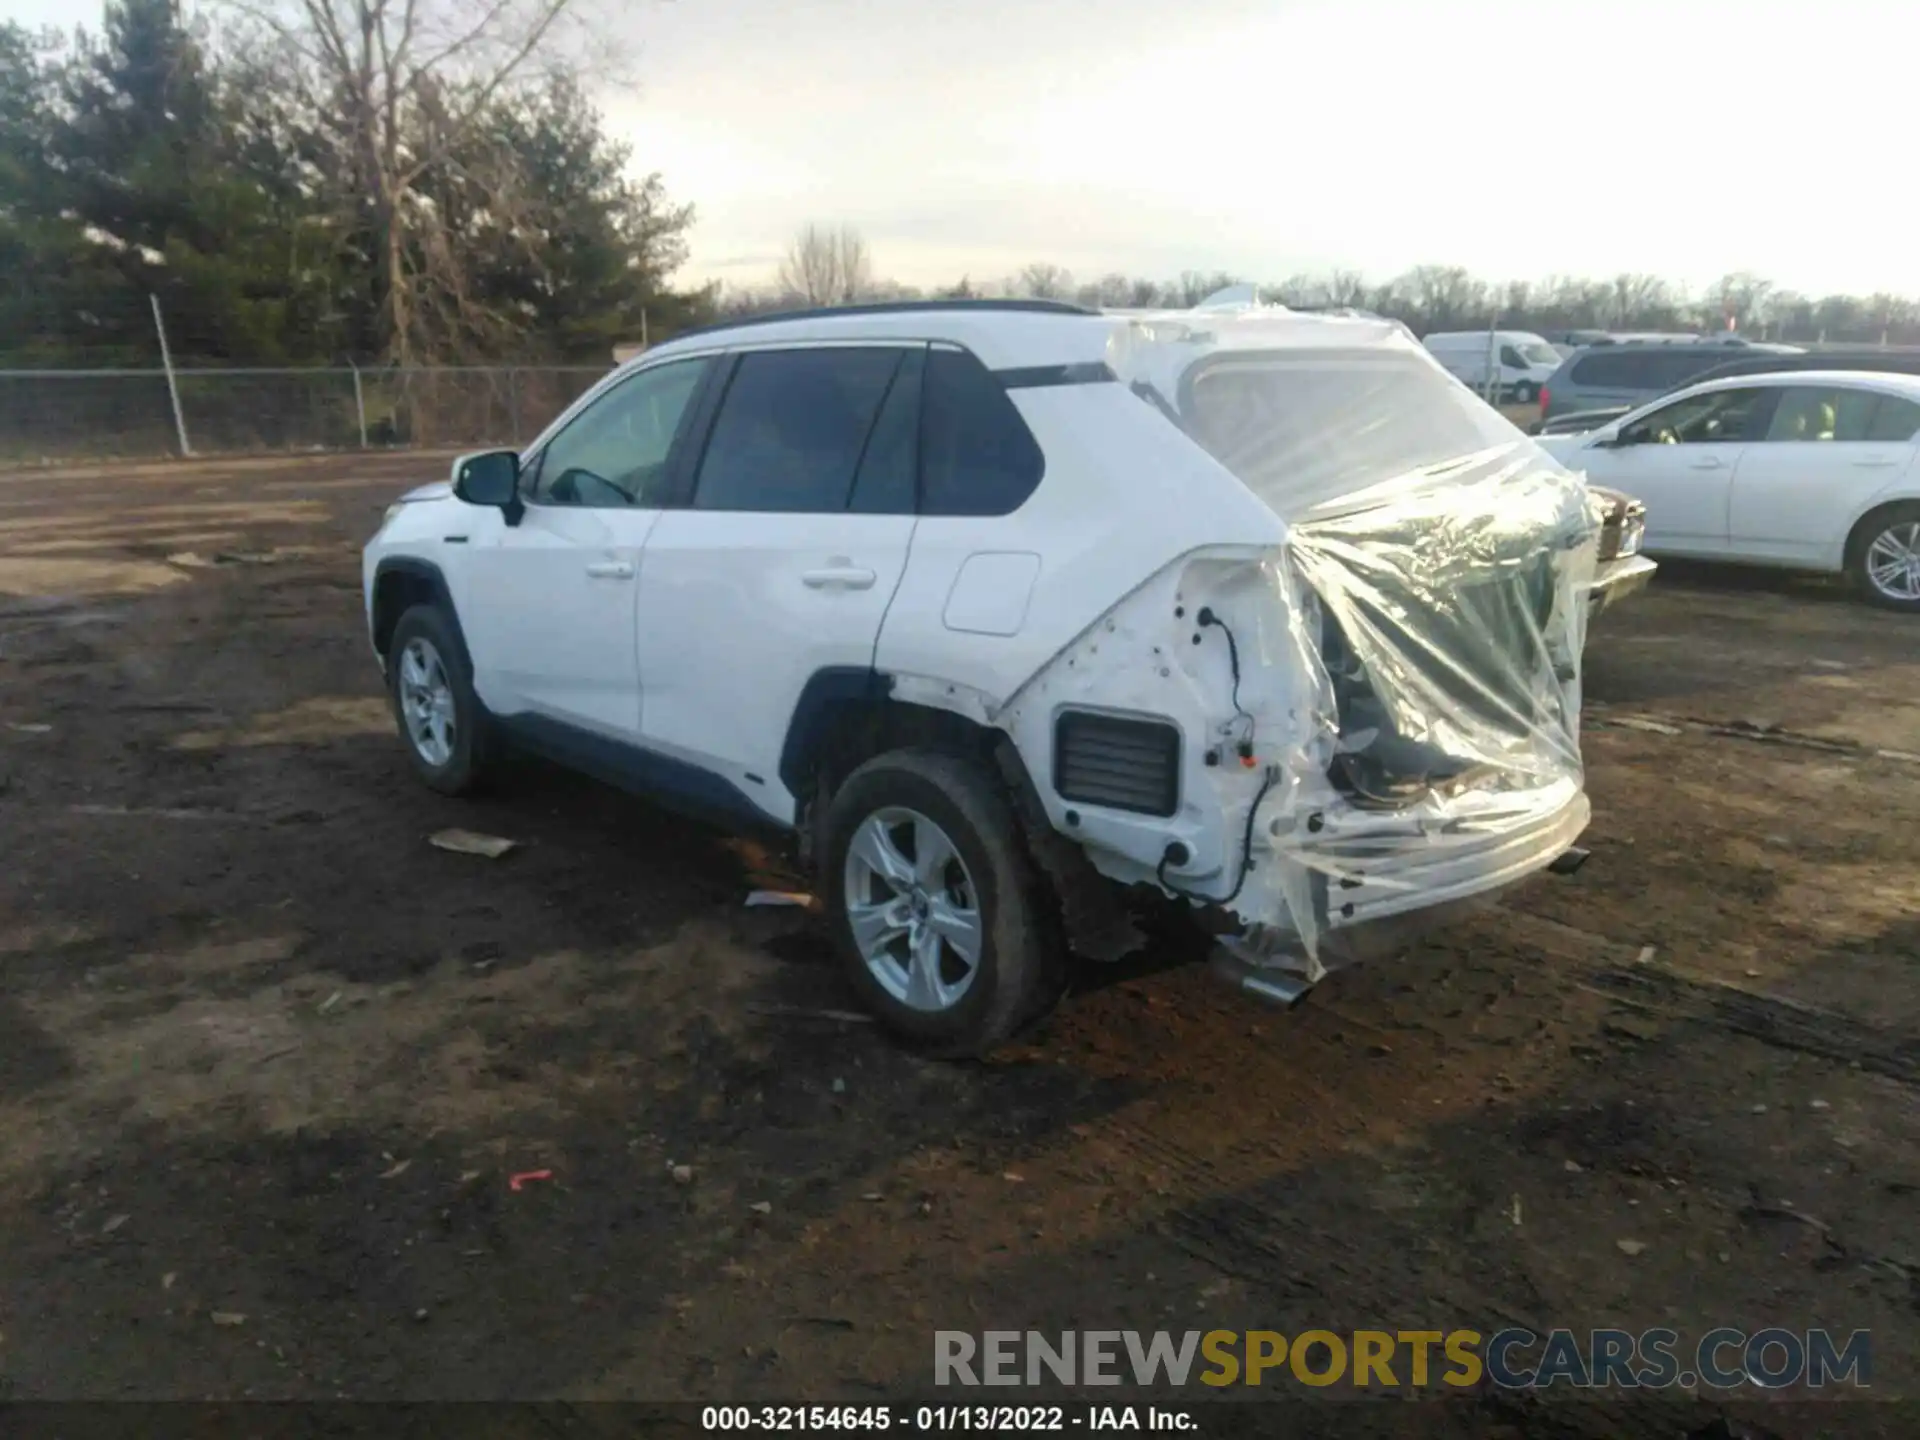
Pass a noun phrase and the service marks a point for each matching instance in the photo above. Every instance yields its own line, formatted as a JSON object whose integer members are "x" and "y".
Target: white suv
{"x": 996, "y": 606}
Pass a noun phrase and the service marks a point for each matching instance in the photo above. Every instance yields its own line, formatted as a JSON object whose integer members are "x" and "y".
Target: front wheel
{"x": 935, "y": 905}
{"x": 433, "y": 701}
{"x": 1886, "y": 559}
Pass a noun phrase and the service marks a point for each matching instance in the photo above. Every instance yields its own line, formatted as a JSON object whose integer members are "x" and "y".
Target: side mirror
{"x": 492, "y": 478}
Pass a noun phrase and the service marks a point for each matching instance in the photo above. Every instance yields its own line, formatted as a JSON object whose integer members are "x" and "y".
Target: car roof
{"x": 1863, "y": 358}
{"x": 1890, "y": 381}
{"x": 1019, "y": 334}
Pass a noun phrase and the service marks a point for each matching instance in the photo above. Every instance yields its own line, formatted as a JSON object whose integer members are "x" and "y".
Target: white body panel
{"x": 1796, "y": 507}
{"x": 1115, "y": 508}
{"x": 549, "y": 614}
{"x": 737, "y": 611}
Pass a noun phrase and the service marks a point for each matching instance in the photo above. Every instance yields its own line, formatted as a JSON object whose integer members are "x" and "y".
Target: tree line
{"x": 301, "y": 182}
{"x": 312, "y": 181}
{"x": 829, "y": 265}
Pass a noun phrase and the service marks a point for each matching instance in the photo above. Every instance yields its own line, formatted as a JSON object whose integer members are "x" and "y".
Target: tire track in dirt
{"x": 1613, "y": 970}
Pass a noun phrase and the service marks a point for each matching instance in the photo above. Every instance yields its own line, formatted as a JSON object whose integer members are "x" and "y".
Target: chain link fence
{"x": 53, "y": 415}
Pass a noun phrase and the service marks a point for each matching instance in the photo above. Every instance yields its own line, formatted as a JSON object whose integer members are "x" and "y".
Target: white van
{"x": 1523, "y": 362}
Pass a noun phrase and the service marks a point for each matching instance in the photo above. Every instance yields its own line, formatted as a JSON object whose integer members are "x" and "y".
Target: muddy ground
{"x": 266, "y": 1054}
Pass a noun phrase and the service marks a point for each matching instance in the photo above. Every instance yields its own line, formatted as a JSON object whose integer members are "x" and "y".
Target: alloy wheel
{"x": 426, "y": 701}
{"x": 1893, "y": 561}
{"x": 914, "y": 909}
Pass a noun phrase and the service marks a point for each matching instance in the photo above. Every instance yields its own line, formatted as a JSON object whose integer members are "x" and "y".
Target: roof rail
{"x": 893, "y": 307}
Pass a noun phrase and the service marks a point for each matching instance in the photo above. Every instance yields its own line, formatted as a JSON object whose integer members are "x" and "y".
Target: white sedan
{"x": 1813, "y": 469}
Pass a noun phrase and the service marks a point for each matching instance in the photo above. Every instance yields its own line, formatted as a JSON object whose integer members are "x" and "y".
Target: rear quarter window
{"x": 1609, "y": 370}
{"x": 1894, "y": 420}
{"x": 977, "y": 456}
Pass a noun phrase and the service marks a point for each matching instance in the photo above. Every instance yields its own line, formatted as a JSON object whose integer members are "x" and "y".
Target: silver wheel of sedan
{"x": 426, "y": 701}
{"x": 1893, "y": 562}
{"x": 913, "y": 909}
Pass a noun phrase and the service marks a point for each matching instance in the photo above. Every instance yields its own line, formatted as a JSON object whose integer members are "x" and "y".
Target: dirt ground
{"x": 266, "y": 1054}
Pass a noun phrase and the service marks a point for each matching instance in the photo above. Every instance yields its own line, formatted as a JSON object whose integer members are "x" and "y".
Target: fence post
{"x": 173, "y": 386}
{"x": 1490, "y": 382}
{"x": 359, "y": 403}
{"x": 513, "y": 401}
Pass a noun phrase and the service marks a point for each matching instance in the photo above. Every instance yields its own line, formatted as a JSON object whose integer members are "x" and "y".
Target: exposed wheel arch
{"x": 1861, "y": 532}
{"x": 400, "y": 583}
{"x": 847, "y": 715}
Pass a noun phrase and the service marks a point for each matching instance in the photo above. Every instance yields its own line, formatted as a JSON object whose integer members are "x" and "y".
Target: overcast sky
{"x": 1149, "y": 136}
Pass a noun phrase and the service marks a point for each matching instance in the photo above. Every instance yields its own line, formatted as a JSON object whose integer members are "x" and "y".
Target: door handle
{"x": 1707, "y": 463}
{"x": 611, "y": 570}
{"x": 838, "y": 577}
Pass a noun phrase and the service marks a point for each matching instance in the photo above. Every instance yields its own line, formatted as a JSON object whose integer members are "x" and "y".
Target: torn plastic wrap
{"x": 1426, "y": 614}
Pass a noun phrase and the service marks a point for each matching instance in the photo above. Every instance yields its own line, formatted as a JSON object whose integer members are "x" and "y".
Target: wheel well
{"x": 396, "y": 591}
{"x": 1857, "y": 536}
{"x": 847, "y": 731}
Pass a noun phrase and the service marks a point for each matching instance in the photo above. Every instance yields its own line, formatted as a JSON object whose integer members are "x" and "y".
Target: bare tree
{"x": 390, "y": 90}
{"x": 827, "y": 267}
{"x": 1741, "y": 300}
{"x": 1042, "y": 281}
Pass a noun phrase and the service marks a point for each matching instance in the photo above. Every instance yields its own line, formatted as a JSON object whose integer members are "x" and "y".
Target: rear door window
{"x": 1895, "y": 420}
{"x": 793, "y": 428}
{"x": 1612, "y": 369}
{"x": 1809, "y": 413}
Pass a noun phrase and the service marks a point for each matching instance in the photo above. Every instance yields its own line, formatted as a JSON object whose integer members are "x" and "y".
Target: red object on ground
{"x": 515, "y": 1182}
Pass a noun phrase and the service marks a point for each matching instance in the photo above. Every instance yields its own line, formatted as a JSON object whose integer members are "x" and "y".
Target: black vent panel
{"x": 1117, "y": 761}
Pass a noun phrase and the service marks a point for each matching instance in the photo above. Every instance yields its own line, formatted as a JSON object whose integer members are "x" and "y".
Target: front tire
{"x": 1885, "y": 563}
{"x": 935, "y": 904}
{"x": 433, "y": 701}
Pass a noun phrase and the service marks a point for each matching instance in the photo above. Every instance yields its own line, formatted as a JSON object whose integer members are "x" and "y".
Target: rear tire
{"x": 1875, "y": 560}
{"x": 431, "y": 688}
{"x": 1525, "y": 393}
{"x": 937, "y": 910}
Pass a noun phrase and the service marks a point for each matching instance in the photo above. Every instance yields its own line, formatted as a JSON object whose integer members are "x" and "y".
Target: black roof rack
{"x": 893, "y": 307}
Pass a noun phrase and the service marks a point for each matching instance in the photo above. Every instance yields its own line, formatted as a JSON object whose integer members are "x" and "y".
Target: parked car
{"x": 994, "y": 608}
{"x": 1521, "y": 361}
{"x": 1633, "y": 373}
{"x": 1621, "y": 570}
{"x": 1817, "y": 470}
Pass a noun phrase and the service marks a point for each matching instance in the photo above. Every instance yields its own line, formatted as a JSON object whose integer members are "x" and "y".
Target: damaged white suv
{"x": 996, "y": 606}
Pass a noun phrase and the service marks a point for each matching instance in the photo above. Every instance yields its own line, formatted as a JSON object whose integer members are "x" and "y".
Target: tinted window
{"x": 1511, "y": 356}
{"x": 1896, "y": 419}
{"x": 1807, "y": 413}
{"x": 977, "y": 456}
{"x": 792, "y": 429}
{"x": 1616, "y": 369}
{"x": 1679, "y": 365}
{"x": 884, "y": 484}
{"x": 614, "y": 452}
{"x": 1646, "y": 367}
{"x": 1718, "y": 417}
